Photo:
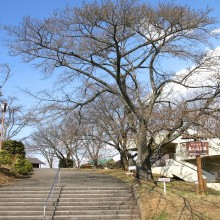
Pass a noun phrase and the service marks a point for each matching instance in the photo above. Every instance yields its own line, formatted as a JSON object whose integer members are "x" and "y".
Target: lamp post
{"x": 4, "y": 106}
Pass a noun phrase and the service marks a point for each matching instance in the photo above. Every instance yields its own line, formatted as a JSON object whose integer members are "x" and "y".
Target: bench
{"x": 131, "y": 171}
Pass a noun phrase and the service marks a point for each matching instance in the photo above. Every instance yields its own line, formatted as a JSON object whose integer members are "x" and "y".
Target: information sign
{"x": 164, "y": 179}
{"x": 197, "y": 148}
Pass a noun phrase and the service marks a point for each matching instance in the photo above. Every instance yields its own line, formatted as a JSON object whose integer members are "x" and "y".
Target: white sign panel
{"x": 164, "y": 179}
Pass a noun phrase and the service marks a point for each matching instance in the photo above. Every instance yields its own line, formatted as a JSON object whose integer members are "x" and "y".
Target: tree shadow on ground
{"x": 179, "y": 203}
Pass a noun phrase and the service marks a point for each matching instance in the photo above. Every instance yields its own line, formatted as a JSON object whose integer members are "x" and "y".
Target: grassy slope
{"x": 180, "y": 203}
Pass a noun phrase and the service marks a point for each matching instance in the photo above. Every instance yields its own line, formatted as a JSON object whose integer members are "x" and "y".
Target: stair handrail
{"x": 56, "y": 178}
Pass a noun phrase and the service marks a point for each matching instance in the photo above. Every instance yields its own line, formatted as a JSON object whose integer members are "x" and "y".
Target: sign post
{"x": 164, "y": 180}
{"x": 199, "y": 173}
{"x": 197, "y": 149}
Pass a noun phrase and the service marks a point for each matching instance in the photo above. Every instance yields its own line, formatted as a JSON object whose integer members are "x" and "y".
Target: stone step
{"x": 97, "y": 207}
{"x": 24, "y": 208}
{"x": 96, "y": 212}
{"x": 78, "y": 188}
{"x": 79, "y": 192}
{"x": 94, "y": 196}
{"x": 8, "y": 189}
{"x": 95, "y": 203}
{"x": 25, "y": 195}
{"x": 25, "y": 213}
{"x": 19, "y": 192}
{"x": 19, "y": 203}
{"x": 29, "y": 200}
{"x": 24, "y": 218}
{"x": 97, "y": 217}
{"x": 97, "y": 198}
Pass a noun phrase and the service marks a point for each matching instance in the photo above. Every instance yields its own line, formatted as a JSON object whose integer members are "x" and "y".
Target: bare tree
{"x": 62, "y": 138}
{"x": 94, "y": 143}
{"x": 16, "y": 119}
{"x": 109, "y": 115}
{"x": 122, "y": 47}
{"x": 5, "y": 73}
{"x": 35, "y": 145}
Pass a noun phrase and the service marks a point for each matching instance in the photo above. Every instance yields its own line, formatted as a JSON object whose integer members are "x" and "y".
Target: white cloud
{"x": 216, "y": 31}
{"x": 206, "y": 76}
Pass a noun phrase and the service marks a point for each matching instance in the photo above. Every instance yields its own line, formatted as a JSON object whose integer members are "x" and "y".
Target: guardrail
{"x": 51, "y": 193}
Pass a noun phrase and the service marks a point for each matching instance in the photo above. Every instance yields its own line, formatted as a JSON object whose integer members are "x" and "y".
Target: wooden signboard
{"x": 197, "y": 148}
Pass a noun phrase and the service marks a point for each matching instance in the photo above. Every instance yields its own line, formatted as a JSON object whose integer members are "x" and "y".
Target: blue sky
{"x": 25, "y": 76}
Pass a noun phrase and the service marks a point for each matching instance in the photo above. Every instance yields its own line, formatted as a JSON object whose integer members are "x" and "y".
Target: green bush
{"x": 5, "y": 158}
{"x": 22, "y": 166}
{"x": 63, "y": 163}
{"x": 14, "y": 147}
{"x": 110, "y": 164}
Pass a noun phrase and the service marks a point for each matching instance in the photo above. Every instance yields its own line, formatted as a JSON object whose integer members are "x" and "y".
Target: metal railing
{"x": 51, "y": 193}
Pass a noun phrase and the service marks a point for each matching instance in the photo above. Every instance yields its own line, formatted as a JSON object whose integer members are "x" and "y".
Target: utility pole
{"x": 4, "y": 106}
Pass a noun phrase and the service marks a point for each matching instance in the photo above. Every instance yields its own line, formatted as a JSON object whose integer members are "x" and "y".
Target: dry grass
{"x": 5, "y": 179}
{"x": 180, "y": 202}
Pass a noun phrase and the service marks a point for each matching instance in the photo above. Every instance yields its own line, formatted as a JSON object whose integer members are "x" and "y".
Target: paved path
{"x": 69, "y": 177}
{"x": 88, "y": 178}
{"x": 41, "y": 177}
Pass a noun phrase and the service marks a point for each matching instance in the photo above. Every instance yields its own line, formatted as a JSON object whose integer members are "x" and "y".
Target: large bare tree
{"x": 128, "y": 48}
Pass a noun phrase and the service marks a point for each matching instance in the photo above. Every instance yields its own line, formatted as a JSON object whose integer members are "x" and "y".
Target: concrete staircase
{"x": 26, "y": 203}
{"x": 91, "y": 203}
{"x": 82, "y": 195}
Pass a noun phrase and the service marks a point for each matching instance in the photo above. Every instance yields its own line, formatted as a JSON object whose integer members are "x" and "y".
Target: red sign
{"x": 197, "y": 148}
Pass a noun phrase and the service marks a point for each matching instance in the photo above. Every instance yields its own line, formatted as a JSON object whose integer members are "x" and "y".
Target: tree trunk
{"x": 144, "y": 169}
{"x": 144, "y": 153}
{"x": 95, "y": 163}
{"x": 124, "y": 160}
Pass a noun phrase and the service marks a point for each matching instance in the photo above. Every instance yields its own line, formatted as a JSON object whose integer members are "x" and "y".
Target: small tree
{"x": 14, "y": 148}
{"x": 22, "y": 166}
{"x": 5, "y": 158}
{"x": 13, "y": 155}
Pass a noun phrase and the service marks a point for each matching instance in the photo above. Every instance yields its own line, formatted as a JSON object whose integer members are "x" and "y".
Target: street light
{"x": 4, "y": 106}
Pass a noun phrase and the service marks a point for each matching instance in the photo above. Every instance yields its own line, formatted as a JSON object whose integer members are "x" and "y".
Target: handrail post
{"x": 59, "y": 178}
{"x": 52, "y": 193}
{"x": 44, "y": 211}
